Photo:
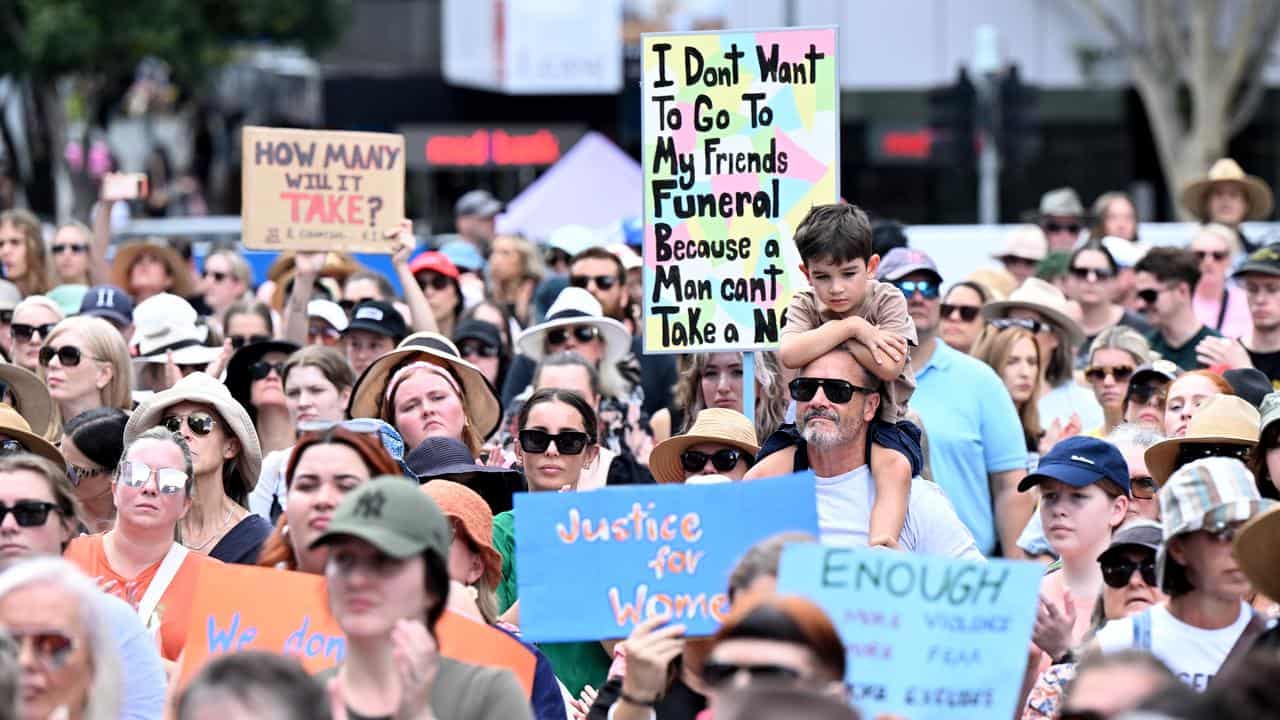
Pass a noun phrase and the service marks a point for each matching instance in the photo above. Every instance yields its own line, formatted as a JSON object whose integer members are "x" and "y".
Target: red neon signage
{"x": 493, "y": 147}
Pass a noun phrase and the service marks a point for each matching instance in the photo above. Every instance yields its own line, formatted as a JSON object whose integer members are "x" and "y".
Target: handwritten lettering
{"x": 680, "y": 606}
{"x": 968, "y": 584}
{"x": 640, "y": 524}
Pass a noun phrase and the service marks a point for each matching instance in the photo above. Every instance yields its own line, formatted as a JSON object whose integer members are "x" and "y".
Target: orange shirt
{"x": 174, "y": 608}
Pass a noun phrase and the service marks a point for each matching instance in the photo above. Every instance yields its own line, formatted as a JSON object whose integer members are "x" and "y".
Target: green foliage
{"x": 46, "y": 39}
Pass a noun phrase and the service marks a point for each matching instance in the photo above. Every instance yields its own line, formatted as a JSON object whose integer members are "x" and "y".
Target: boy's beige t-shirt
{"x": 883, "y": 306}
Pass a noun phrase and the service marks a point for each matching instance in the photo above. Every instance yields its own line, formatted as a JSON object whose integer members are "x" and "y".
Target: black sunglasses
{"x": 61, "y": 248}
{"x": 568, "y": 442}
{"x": 1192, "y": 451}
{"x": 927, "y": 288}
{"x": 261, "y": 369}
{"x": 23, "y": 332}
{"x": 837, "y": 391}
{"x": 1143, "y": 487}
{"x": 1218, "y": 255}
{"x": 217, "y": 276}
{"x": 477, "y": 348}
{"x": 716, "y": 674}
{"x": 1034, "y": 326}
{"x": 1144, "y": 394}
{"x": 51, "y": 648}
{"x": 200, "y": 423}
{"x": 1053, "y": 227}
{"x": 1116, "y": 572}
{"x": 68, "y": 356}
{"x": 435, "y": 280}
{"x": 1148, "y": 296}
{"x": 28, "y": 513}
{"x": 1097, "y": 373}
{"x": 604, "y": 282}
{"x": 239, "y": 341}
{"x": 967, "y": 312}
{"x": 582, "y": 333}
{"x": 1099, "y": 273}
{"x": 9, "y": 446}
{"x": 723, "y": 460}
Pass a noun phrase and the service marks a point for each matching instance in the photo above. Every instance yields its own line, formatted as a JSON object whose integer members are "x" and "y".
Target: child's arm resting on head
{"x": 799, "y": 348}
{"x": 882, "y": 353}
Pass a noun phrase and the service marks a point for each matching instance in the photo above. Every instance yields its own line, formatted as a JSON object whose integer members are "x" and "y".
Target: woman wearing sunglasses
{"x": 387, "y": 583}
{"x": 1091, "y": 284}
{"x": 1144, "y": 399}
{"x": 710, "y": 380}
{"x": 960, "y": 320}
{"x": 720, "y": 442}
{"x": 480, "y": 343}
{"x": 317, "y": 386}
{"x": 138, "y": 560}
{"x": 256, "y": 380}
{"x": 33, "y": 319}
{"x": 71, "y": 247}
{"x": 92, "y": 446}
{"x": 86, "y": 365}
{"x": 1219, "y": 305}
{"x": 1113, "y": 357}
{"x": 329, "y": 461}
{"x": 438, "y": 278}
{"x": 555, "y": 442}
{"x": 226, "y": 462}
{"x": 226, "y": 280}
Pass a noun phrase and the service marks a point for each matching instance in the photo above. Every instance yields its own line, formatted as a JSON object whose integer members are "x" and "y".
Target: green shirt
{"x": 577, "y": 664}
{"x": 1185, "y": 355}
{"x": 463, "y": 691}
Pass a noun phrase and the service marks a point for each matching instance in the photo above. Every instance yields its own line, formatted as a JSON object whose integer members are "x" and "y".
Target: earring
{"x": 284, "y": 530}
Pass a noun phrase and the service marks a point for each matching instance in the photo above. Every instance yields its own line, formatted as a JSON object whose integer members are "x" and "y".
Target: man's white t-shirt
{"x": 1193, "y": 654}
{"x": 932, "y": 526}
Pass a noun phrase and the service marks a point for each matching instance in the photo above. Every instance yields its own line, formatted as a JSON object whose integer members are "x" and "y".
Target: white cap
{"x": 329, "y": 311}
{"x": 630, "y": 260}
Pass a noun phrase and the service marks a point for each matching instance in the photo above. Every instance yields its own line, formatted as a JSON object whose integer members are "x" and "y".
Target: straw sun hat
{"x": 721, "y": 426}
{"x": 1195, "y": 196}
{"x": 1042, "y": 297}
{"x": 1222, "y": 420}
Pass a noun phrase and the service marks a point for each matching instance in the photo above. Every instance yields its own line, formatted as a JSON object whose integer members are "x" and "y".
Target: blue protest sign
{"x": 594, "y": 564}
{"x": 927, "y": 637}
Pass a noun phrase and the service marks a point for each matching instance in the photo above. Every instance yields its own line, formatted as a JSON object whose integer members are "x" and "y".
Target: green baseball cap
{"x": 391, "y": 513}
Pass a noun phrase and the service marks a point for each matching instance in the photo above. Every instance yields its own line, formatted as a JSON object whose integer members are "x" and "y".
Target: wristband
{"x": 631, "y": 700}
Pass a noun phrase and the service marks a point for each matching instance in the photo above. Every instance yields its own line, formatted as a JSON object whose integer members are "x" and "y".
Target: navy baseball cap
{"x": 1079, "y": 461}
{"x": 109, "y": 303}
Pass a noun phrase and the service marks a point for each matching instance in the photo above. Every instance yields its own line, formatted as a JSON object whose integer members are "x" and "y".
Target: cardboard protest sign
{"x": 740, "y": 139}
{"x": 927, "y": 637}
{"x": 320, "y": 189}
{"x": 228, "y": 614}
{"x": 592, "y": 565}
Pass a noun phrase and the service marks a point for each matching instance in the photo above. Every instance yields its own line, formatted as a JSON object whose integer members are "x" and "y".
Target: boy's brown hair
{"x": 838, "y": 233}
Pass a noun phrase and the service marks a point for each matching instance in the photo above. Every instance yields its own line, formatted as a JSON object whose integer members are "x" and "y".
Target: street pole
{"x": 986, "y": 68}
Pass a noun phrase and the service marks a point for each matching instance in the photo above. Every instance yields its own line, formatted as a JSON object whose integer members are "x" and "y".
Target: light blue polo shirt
{"x": 973, "y": 430}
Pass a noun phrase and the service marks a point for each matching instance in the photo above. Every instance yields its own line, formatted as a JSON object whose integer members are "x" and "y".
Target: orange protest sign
{"x": 320, "y": 189}
{"x": 241, "y": 607}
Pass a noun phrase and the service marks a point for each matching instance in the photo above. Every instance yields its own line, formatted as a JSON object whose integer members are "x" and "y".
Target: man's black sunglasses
{"x": 837, "y": 391}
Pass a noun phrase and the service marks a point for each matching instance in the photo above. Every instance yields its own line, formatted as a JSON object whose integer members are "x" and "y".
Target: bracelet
{"x": 622, "y": 695}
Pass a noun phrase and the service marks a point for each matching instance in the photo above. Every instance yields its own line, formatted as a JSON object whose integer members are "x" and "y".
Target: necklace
{"x": 217, "y": 532}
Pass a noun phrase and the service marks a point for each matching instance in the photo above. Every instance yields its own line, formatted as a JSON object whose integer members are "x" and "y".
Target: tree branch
{"x": 1252, "y": 82}
{"x": 1171, "y": 33}
{"x": 1242, "y": 45}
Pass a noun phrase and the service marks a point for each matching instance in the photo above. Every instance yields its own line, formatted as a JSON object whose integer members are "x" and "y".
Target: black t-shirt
{"x": 1184, "y": 356}
{"x": 1269, "y": 364}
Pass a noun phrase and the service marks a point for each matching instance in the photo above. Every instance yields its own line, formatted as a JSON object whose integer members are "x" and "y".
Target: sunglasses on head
{"x": 23, "y": 332}
{"x": 62, "y": 248}
{"x": 1192, "y": 451}
{"x": 1218, "y": 255}
{"x": 1034, "y": 326}
{"x": 1098, "y": 273}
{"x": 28, "y": 513}
{"x": 169, "y": 481}
{"x": 51, "y": 647}
{"x": 716, "y": 674}
{"x": 1097, "y": 373}
{"x": 927, "y": 288}
{"x": 604, "y": 282}
{"x": 1117, "y": 571}
{"x": 568, "y": 442}
{"x": 200, "y": 423}
{"x": 1143, "y": 487}
{"x": 77, "y": 474}
{"x": 356, "y": 425}
{"x": 68, "y": 356}
{"x": 239, "y": 341}
{"x": 435, "y": 281}
{"x": 1148, "y": 296}
{"x": 582, "y": 333}
{"x": 723, "y": 460}
{"x": 477, "y": 348}
{"x": 803, "y": 389}
{"x": 1053, "y": 227}
{"x": 967, "y": 312}
{"x": 261, "y": 369}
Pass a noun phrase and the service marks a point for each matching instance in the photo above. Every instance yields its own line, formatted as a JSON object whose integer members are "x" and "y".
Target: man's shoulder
{"x": 953, "y": 361}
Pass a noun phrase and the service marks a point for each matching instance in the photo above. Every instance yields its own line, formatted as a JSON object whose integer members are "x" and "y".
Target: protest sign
{"x": 740, "y": 139}
{"x": 594, "y": 564}
{"x": 228, "y": 615}
{"x": 320, "y": 189}
{"x": 927, "y": 637}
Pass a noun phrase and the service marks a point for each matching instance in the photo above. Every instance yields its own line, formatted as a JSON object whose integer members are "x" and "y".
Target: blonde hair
{"x": 104, "y": 342}
{"x": 994, "y": 349}
{"x": 1122, "y": 337}
{"x": 470, "y": 436}
{"x": 42, "y": 302}
{"x": 240, "y": 269}
{"x": 36, "y": 279}
{"x": 771, "y": 400}
{"x": 84, "y": 230}
{"x": 1221, "y": 232}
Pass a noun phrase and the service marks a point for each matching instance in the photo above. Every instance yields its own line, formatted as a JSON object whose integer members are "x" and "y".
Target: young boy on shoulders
{"x": 848, "y": 306}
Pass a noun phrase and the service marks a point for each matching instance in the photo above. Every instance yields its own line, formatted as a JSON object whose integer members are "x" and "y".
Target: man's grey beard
{"x": 823, "y": 439}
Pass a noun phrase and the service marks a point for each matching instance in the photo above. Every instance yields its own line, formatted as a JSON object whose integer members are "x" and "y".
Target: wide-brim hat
{"x": 721, "y": 426}
{"x": 34, "y": 403}
{"x": 441, "y": 458}
{"x": 165, "y": 323}
{"x": 238, "y": 378}
{"x": 338, "y": 266}
{"x": 1024, "y": 241}
{"x": 461, "y": 503}
{"x": 480, "y": 400}
{"x": 1255, "y": 551}
{"x": 1195, "y": 195}
{"x": 1042, "y": 297}
{"x": 14, "y": 426}
{"x": 575, "y": 306}
{"x": 1222, "y": 420}
{"x": 127, "y": 254}
{"x": 201, "y": 388}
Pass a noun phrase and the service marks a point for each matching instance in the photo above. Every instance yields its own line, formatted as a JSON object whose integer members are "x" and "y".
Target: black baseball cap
{"x": 1264, "y": 261}
{"x": 378, "y": 316}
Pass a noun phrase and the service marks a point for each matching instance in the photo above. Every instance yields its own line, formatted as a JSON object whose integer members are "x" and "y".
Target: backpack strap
{"x": 1243, "y": 644}
{"x": 1142, "y": 630}
{"x": 155, "y": 589}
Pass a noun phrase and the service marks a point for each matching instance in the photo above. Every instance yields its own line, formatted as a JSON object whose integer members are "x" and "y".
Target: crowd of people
{"x": 1089, "y": 402}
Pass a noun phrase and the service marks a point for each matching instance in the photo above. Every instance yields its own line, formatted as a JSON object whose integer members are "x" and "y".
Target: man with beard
{"x": 1260, "y": 276}
{"x": 836, "y": 400}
